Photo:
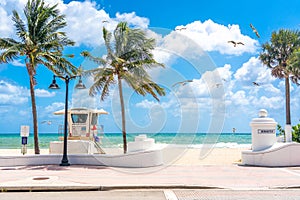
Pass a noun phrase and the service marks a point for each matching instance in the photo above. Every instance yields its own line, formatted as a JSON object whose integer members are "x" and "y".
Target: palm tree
{"x": 40, "y": 43}
{"x": 276, "y": 55}
{"x": 294, "y": 66}
{"x": 129, "y": 61}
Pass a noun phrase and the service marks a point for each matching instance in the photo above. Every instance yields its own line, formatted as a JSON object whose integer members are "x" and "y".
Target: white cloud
{"x": 54, "y": 107}
{"x": 254, "y": 71}
{"x": 133, "y": 19}
{"x": 6, "y": 28}
{"x": 18, "y": 63}
{"x": 239, "y": 98}
{"x": 84, "y": 20}
{"x": 43, "y": 93}
{"x": 12, "y": 94}
{"x": 270, "y": 102}
{"x": 146, "y": 104}
{"x": 214, "y": 37}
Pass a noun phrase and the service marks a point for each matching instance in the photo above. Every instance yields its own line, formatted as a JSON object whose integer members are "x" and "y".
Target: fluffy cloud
{"x": 133, "y": 19}
{"x": 84, "y": 20}
{"x": 254, "y": 71}
{"x": 214, "y": 37}
{"x": 12, "y": 94}
{"x": 43, "y": 93}
{"x": 54, "y": 107}
{"x": 18, "y": 63}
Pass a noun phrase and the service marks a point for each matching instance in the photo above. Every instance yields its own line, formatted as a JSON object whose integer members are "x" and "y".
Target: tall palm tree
{"x": 40, "y": 43}
{"x": 276, "y": 55}
{"x": 128, "y": 61}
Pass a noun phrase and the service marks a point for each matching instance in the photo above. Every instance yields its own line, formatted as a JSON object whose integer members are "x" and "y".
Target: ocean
{"x": 193, "y": 140}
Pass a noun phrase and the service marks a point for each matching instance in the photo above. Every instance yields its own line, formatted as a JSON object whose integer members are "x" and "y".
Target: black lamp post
{"x": 53, "y": 85}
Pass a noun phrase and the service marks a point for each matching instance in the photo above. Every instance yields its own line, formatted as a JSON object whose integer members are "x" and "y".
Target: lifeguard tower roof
{"x": 100, "y": 111}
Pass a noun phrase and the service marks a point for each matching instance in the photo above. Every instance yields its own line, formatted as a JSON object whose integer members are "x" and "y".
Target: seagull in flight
{"x": 254, "y": 30}
{"x": 182, "y": 83}
{"x": 105, "y": 21}
{"x": 235, "y": 43}
{"x": 46, "y": 121}
{"x": 256, "y": 84}
{"x": 218, "y": 85}
{"x": 179, "y": 29}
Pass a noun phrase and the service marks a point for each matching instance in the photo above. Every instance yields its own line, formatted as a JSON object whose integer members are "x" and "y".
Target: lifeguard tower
{"x": 84, "y": 133}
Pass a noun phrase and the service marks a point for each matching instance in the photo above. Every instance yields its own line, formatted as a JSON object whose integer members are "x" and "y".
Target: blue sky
{"x": 221, "y": 96}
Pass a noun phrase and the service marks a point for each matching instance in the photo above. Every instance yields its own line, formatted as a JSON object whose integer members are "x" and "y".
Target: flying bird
{"x": 218, "y": 85}
{"x": 254, "y": 30}
{"x": 256, "y": 84}
{"x": 182, "y": 83}
{"x": 105, "y": 21}
{"x": 47, "y": 121}
{"x": 235, "y": 43}
{"x": 179, "y": 29}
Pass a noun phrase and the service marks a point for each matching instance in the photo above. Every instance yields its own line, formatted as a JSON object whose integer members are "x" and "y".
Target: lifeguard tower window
{"x": 79, "y": 118}
{"x": 94, "y": 119}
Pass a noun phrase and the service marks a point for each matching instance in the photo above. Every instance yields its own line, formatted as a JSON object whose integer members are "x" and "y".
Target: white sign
{"x": 266, "y": 131}
{"x": 24, "y": 131}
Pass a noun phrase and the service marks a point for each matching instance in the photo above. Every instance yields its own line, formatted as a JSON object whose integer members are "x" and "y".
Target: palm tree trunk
{"x": 34, "y": 112}
{"x": 288, "y": 127}
{"x": 123, "y": 114}
{"x": 287, "y": 101}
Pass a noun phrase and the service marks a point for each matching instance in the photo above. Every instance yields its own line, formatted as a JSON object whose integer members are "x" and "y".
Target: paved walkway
{"x": 54, "y": 177}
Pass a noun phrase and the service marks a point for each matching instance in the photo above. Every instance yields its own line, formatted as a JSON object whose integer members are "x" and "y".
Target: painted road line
{"x": 170, "y": 195}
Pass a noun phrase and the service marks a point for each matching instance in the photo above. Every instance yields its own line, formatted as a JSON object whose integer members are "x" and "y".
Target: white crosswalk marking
{"x": 170, "y": 195}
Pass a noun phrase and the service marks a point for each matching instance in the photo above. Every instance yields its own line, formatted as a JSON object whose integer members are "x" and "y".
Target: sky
{"x": 191, "y": 41}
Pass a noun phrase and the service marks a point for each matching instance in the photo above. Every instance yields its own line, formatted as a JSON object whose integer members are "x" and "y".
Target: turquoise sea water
{"x": 13, "y": 141}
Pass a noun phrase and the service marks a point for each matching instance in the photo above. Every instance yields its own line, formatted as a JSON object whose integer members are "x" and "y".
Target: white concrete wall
{"x": 135, "y": 159}
{"x": 74, "y": 147}
{"x": 280, "y": 154}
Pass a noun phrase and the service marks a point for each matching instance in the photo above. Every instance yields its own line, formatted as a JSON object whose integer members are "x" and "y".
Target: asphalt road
{"x": 158, "y": 195}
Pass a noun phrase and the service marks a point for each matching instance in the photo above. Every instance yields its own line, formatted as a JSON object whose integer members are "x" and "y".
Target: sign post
{"x": 24, "y": 133}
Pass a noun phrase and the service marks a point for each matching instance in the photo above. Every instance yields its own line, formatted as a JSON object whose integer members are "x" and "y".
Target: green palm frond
{"x": 103, "y": 78}
{"x": 294, "y": 66}
{"x": 19, "y": 25}
{"x": 97, "y": 60}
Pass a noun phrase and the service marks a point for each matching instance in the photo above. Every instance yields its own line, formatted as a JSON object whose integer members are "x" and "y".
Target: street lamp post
{"x": 53, "y": 85}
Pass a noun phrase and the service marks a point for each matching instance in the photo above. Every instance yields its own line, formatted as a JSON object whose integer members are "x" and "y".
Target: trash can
{"x": 263, "y": 131}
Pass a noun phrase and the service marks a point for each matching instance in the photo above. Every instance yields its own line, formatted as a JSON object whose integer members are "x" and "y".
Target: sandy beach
{"x": 184, "y": 157}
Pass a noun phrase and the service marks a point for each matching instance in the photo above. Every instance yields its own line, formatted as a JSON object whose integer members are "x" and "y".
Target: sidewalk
{"x": 54, "y": 177}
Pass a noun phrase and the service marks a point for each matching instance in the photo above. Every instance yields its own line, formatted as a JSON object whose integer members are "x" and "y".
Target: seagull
{"x": 218, "y": 85}
{"x": 256, "y": 84}
{"x": 46, "y": 121}
{"x": 179, "y": 29}
{"x": 254, "y": 30}
{"x": 182, "y": 83}
{"x": 235, "y": 43}
{"x": 105, "y": 21}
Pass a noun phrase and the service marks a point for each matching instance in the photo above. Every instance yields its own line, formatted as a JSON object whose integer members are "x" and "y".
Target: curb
{"x": 99, "y": 188}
